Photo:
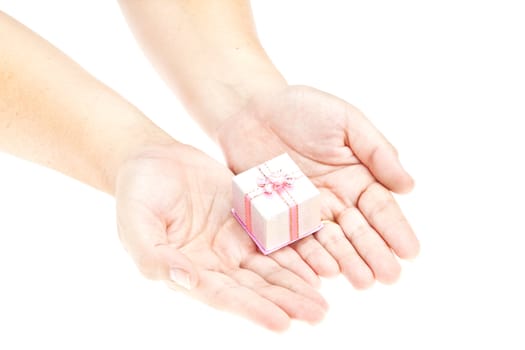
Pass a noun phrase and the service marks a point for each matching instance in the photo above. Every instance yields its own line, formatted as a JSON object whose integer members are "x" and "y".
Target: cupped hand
{"x": 351, "y": 163}
{"x": 173, "y": 208}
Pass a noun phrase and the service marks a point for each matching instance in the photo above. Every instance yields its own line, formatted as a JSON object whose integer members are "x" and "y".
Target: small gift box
{"x": 276, "y": 203}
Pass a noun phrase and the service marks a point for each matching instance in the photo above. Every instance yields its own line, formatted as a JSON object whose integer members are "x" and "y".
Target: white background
{"x": 445, "y": 81}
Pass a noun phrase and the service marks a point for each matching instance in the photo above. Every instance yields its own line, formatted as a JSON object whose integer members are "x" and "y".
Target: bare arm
{"x": 207, "y": 51}
{"x": 173, "y": 218}
{"x": 54, "y": 113}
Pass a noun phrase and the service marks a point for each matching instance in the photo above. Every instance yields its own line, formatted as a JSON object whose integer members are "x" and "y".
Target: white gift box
{"x": 276, "y": 203}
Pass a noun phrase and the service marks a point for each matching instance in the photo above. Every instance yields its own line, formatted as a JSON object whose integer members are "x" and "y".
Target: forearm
{"x": 54, "y": 113}
{"x": 207, "y": 51}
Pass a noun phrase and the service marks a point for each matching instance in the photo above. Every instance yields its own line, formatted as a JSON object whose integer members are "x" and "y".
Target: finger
{"x": 376, "y": 153}
{"x": 145, "y": 237}
{"x": 173, "y": 264}
{"x": 274, "y": 274}
{"x": 289, "y": 259}
{"x": 294, "y": 304}
{"x": 351, "y": 264}
{"x": 313, "y": 253}
{"x": 382, "y": 211}
{"x": 165, "y": 262}
{"x": 223, "y": 293}
{"x": 370, "y": 246}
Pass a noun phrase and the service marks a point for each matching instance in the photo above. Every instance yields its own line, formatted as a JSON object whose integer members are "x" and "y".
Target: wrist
{"x": 137, "y": 138}
{"x": 229, "y": 86}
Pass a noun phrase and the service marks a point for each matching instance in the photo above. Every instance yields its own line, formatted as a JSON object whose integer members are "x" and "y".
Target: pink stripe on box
{"x": 248, "y": 212}
{"x": 294, "y": 223}
{"x": 282, "y": 192}
{"x": 260, "y": 245}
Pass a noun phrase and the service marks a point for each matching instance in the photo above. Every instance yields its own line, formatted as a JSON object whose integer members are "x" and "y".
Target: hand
{"x": 173, "y": 208}
{"x": 349, "y": 161}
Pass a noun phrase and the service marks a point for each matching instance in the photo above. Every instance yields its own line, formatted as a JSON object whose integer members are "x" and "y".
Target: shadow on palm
{"x": 173, "y": 206}
{"x": 349, "y": 161}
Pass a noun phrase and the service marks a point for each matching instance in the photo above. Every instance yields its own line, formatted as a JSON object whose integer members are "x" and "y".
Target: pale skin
{"x": 54, "y": 113}
{"x": 209, "y": 53}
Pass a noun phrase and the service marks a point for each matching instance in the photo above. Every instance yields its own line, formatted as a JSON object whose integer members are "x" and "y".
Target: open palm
{"x": 349, "y": 161}
{"x": 173, "y": 207}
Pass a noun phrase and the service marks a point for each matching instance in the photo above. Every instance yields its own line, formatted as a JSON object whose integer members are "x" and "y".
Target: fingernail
{"x": 410, "y": 179}
{"x": 402, "y": 165}
{"x": 181, "y": 277}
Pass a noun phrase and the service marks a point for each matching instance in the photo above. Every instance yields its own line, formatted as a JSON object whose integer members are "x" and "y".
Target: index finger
{"x": 375, "y": 152}
{"x": 383, "y": 213}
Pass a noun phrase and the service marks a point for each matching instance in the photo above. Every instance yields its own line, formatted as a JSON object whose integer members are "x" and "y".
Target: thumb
{"x": 165, "y": 262}
{"x": 144, "y": 237}
{"x": 173, "y": 265}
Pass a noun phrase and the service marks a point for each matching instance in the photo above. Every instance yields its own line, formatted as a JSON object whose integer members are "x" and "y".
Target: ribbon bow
{"x": 277, "y": 181}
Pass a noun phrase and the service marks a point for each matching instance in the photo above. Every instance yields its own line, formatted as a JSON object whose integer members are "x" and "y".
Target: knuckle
{"x": 358, "y": 232}
{"x": 382, "y": 202}
{"x": 355, "y": 226}
{"x": 334, "y": 240}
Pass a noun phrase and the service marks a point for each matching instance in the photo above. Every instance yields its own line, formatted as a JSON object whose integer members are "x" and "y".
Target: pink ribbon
{"x": 276, "y": 182}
